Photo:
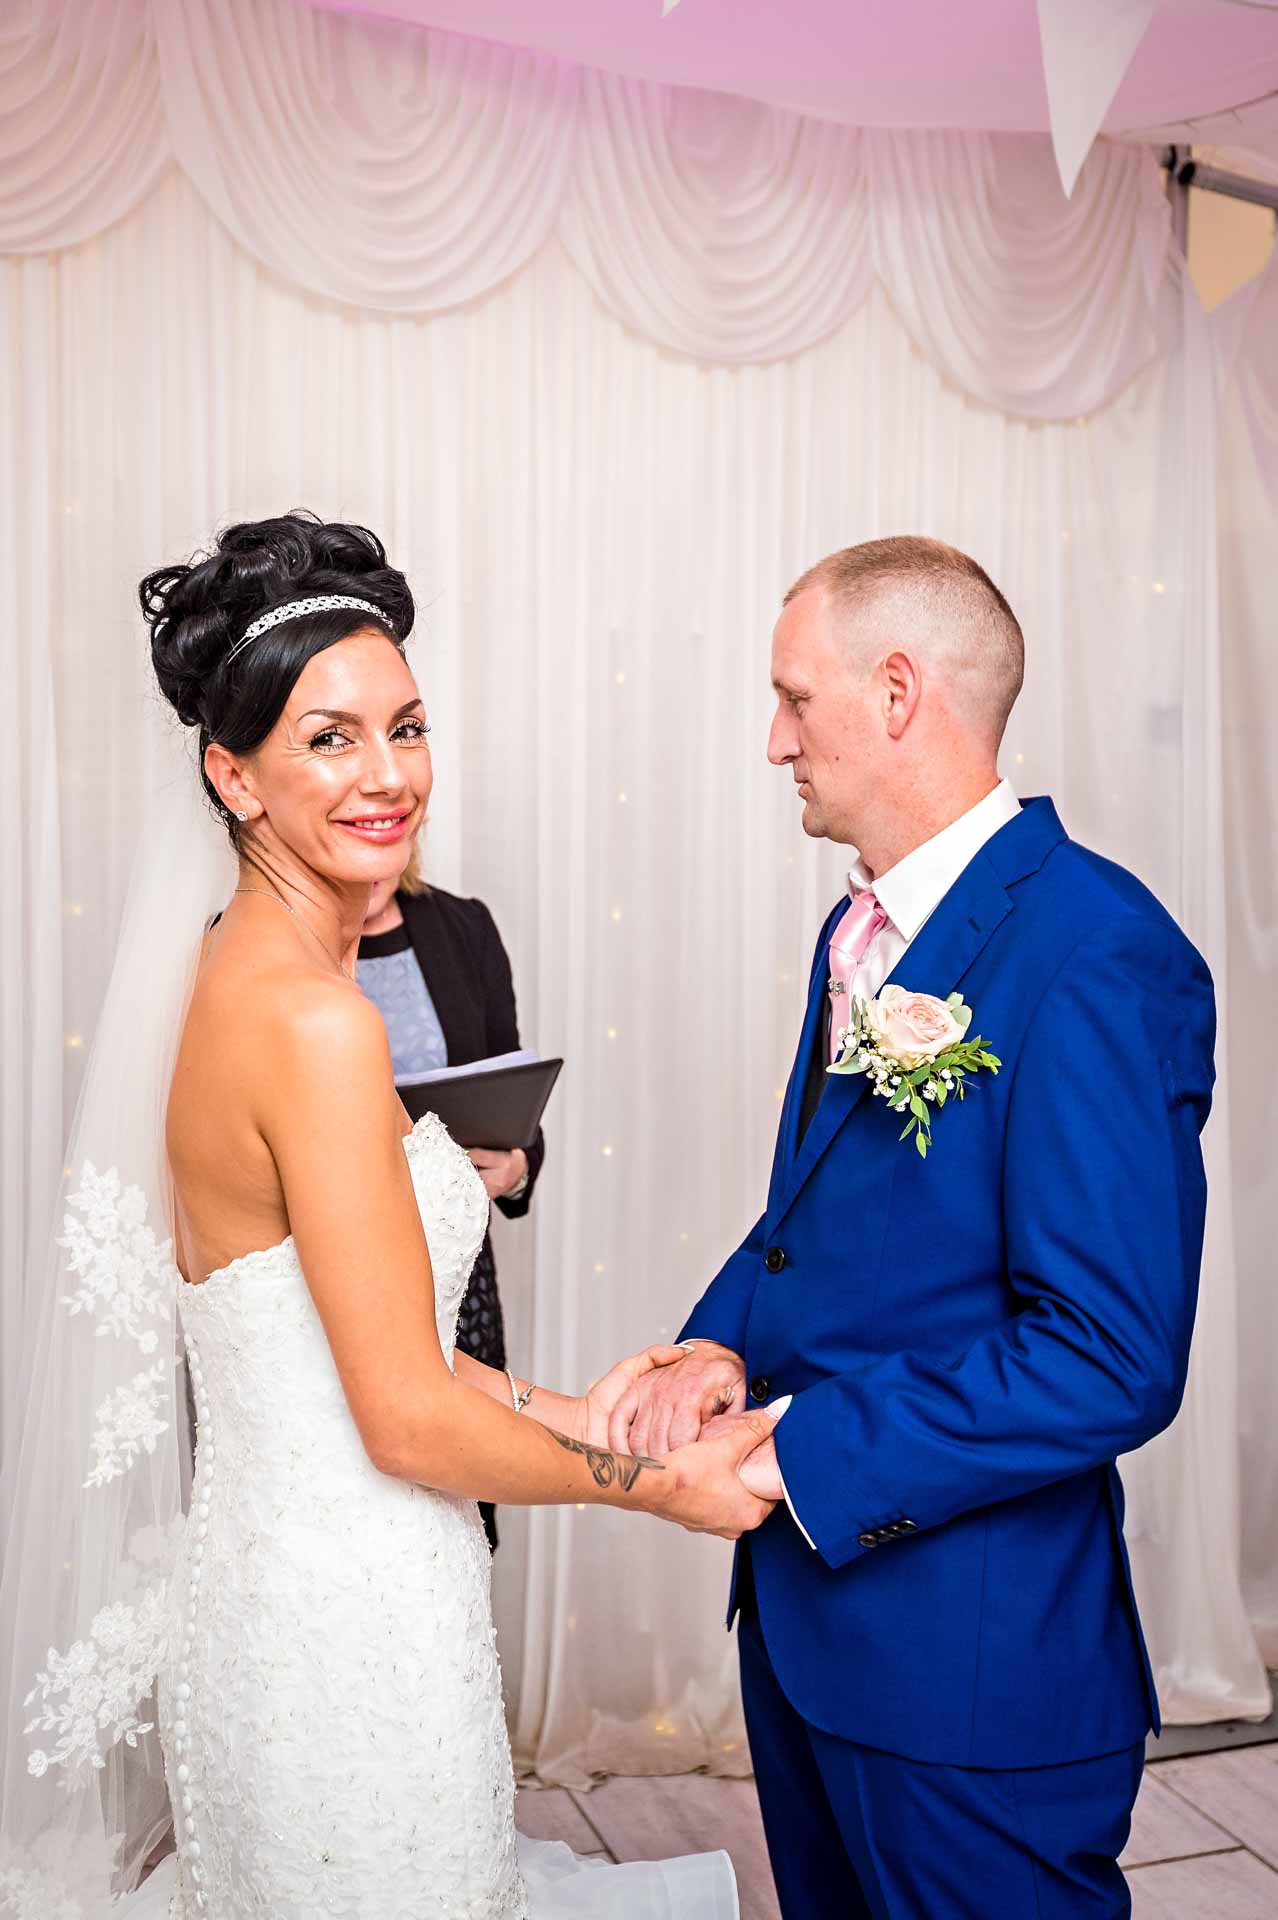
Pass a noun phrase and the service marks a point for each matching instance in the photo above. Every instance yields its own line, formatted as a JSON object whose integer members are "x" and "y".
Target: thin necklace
{"x": 297, "y": 916}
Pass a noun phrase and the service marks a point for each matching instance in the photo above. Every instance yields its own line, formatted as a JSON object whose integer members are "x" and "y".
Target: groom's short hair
{"x": 950, "y": 602}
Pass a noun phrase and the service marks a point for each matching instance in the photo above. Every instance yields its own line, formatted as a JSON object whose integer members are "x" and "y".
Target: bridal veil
{"x": 98, "y": 1479}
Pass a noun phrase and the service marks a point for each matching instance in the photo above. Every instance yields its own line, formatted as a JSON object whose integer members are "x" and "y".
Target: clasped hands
{"x": 686, "y": 1407}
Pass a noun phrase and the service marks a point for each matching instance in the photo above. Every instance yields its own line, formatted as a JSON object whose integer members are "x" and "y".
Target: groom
{"x": 945, "y": 1683}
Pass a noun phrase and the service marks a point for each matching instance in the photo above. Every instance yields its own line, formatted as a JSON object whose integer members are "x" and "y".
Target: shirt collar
{"x": 912, "y": 889}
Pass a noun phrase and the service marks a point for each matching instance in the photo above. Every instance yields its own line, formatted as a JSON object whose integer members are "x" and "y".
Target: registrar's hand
{"x": 600, "y": 1402}
{"x": 500, "y": 1169}
{"x": 703, "y": 1486}
{"x": 667, "y": 1408}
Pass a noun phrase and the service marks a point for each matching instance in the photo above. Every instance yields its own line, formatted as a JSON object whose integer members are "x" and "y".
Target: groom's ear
{"x": 901, "y": 679}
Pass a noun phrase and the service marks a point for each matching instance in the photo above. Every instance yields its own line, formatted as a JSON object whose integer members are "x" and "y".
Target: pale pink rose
{"x": 911, "y": 1027}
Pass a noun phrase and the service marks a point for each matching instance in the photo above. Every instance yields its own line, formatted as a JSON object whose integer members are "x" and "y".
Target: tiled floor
{"x": 1204, "y": 1843}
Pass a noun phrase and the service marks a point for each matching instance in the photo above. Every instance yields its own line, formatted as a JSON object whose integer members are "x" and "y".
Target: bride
{"x": 300, "y": 1676}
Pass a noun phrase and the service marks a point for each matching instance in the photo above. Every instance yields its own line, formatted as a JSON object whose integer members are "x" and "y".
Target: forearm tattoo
{"x": 608, "y": 1469}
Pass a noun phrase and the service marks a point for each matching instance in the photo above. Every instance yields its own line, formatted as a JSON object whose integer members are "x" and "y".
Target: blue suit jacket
{"x": 970, "y": 1339}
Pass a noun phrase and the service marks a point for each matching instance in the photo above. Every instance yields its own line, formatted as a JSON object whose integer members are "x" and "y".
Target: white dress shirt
{"x": 909, "y": 893}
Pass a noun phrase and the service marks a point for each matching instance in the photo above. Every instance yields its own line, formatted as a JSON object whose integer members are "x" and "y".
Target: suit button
{"x": 760, "y": 1387}
{"x": 868, "y": 1539}
{"x": 774, "y": 1259}
{"x": 908, "y": 1526}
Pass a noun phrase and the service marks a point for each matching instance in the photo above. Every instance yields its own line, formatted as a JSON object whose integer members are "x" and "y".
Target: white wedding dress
{"x": 330, "y": 1699}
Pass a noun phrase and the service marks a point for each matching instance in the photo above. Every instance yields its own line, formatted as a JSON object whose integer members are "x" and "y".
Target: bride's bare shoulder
{"x": 278, "y": 1028}
{"x": 320, "y": 1012}
{"x": 281, "y": 1067}
{"x": 331, "y": 1074}
{"x": 311, "y": 1021}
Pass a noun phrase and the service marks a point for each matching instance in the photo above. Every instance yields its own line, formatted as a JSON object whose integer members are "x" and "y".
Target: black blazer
{"x": 464, "y": 965}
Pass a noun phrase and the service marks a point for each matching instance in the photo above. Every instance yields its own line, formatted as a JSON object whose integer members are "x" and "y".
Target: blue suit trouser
{"x": 857, "y": 1834}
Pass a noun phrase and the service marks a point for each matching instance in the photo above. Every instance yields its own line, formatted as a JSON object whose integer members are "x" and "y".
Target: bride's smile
{"x": 380, "y": 826}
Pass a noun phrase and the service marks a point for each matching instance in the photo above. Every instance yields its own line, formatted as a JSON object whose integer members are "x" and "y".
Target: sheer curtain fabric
{"x": 1248, "y": 327}
{"x": 403, "y": 170}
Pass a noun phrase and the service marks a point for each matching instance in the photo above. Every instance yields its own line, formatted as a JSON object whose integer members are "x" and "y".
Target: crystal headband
{"x": 294, "y": 609}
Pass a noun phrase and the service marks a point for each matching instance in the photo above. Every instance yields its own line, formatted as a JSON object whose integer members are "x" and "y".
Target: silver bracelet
{"x": 519, "y": 1400}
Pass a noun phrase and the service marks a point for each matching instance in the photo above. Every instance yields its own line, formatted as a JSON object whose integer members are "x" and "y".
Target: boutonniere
{"x": 915, "y": 1050}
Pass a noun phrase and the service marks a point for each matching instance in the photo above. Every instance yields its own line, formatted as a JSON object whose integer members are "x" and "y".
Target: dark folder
{"x": 486, "y": 1105}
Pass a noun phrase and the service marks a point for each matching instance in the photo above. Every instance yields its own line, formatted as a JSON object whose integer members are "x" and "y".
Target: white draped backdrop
{"x": 1249, "y": 594}
{"x": 607, "y": 364}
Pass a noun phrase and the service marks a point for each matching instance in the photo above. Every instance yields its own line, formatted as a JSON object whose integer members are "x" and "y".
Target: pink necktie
{"x": 852, "y": 937}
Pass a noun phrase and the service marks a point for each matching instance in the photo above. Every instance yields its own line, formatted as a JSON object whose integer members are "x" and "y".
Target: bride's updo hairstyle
{"x": 198, "y": 612}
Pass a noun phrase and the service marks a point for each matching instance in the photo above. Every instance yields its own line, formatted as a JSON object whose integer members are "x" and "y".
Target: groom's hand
{"x": 760, "y": 1470}
{"x": 704, "y": 1487}
{"x": 600, "y": 1402}
{"x": 668, "y": 1407}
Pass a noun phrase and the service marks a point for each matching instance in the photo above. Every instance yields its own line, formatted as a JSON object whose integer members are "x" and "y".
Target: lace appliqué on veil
{"x": 125, "y": 1272}
{"x": 129, "y": 1423}
{"x": 126, "y": 1277}
{"x": 102, "y": 1682}
{"x": 92, "y": 1693}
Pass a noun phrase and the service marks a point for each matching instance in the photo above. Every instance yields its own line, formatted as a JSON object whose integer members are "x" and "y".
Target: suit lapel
{"x": 934, "y": 962}
{"x": 950, "y": 940}
{"x": 811, "y": 1036}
